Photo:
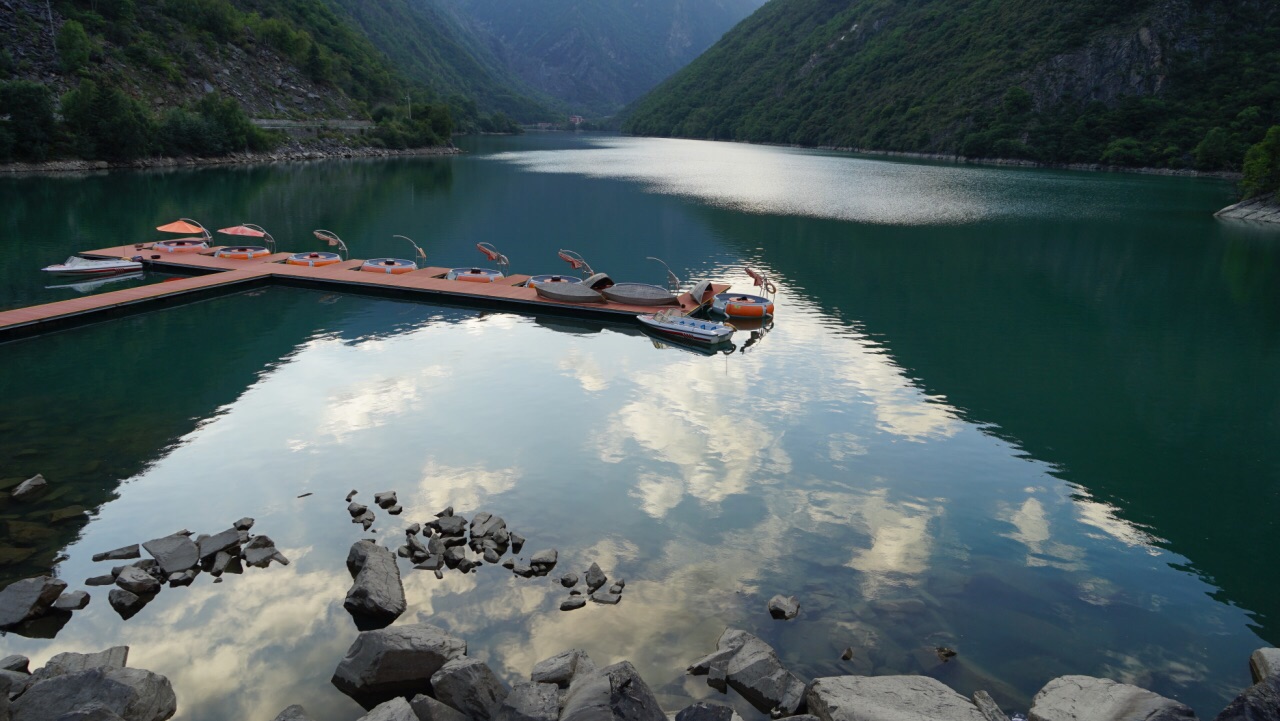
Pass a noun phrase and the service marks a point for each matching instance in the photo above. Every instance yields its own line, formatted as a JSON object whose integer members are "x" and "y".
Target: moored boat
{"x": 482, "y": 275}
{"x": 77, "y": 266}
{"x": 675, "y": 323}
{"x": 746, "y": 305}
{"x": 391, "y": 266}
{"x": 319, "y": 259}
{"x": 640, "y": 294}
{"x": 246, "y": 252}
{"x": 186, "y": 226}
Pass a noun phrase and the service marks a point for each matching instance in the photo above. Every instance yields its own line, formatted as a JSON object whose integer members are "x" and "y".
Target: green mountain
{"x": 1170, "y": 83}
{"x": 430, "y": 43}
{"x": 598, "y": 55}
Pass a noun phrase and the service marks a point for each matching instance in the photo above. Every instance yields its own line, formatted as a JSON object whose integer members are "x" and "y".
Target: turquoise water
{"x": 1023, "y": 414}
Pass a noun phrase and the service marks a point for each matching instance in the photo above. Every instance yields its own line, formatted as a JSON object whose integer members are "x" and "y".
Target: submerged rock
{"x": 470, "y": 686}
{"x": 1067, "y": 698}
{"x": 606, "y": 597}
{"x": 754, "y": 670}
{"x": 784, "y": 608}
{"x": 29, "y": 598}
{"x": 1260, "y": 702}
{"x": 30, "y": 489}
{"x": 123, "y": 553}
{"x": 573, "y": 603}
{"x": 396, "y": 660}
{"x": 377, "y": 592}
{"x": 173, "y": 553}
{"x": 988, "y": 707}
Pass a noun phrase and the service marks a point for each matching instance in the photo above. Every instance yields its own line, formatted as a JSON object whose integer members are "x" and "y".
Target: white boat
{"x": 75, "y": 265}
{"x": 675, "y": 323}
{"x": 88, "y": 286}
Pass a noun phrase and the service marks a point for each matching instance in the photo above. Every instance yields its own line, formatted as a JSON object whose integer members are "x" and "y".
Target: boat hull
{"x": 640, "y": 294}
{"x": 568, "y": 292}
{"x": 689, "y": 329}
{"x": 92, "y": 268}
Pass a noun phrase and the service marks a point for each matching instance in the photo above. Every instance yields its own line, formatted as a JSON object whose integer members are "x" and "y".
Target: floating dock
{"x": 213, "y": 276}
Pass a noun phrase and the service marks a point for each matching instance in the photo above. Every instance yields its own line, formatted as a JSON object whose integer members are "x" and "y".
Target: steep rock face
{"x": 1138, "y": 83}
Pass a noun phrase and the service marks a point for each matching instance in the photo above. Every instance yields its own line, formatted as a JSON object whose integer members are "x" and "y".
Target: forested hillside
{"x": 1168, "y": 83}
{"x": 598, "y": 55}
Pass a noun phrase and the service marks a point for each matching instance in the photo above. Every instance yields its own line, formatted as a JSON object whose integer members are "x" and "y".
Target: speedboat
{"x": 674, "y": 323}
{"x": 75, "y": 265}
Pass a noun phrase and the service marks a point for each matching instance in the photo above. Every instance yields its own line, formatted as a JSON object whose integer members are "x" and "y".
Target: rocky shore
{"x": 289, "y": 152}
{"x": 1261, "y": 210}
{"x": 1021, "y": 163}
{"x": 423, "y": 672}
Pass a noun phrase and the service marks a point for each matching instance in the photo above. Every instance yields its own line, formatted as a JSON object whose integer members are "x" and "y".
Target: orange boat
{"x": 183, "y": 245}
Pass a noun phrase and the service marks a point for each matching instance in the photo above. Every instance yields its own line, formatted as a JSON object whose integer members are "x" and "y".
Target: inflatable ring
{"x": 315, "y": 260}
{"x": 241, "y": 252}
{"x": 473, "y": 275}
{"x": 184, "y": 245}
{"x": 392, "y": 266}
{"x": 552, "y": 279}
{"x": 740, "y": 305}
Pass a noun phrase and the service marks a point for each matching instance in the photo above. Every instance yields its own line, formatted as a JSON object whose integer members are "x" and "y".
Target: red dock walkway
{"x": 219, "y": 275}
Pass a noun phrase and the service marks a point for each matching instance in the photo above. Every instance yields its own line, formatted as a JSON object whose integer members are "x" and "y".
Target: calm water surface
{"x": 1026, "y": 414}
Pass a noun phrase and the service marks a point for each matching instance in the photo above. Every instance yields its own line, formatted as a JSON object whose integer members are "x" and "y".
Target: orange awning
{"x": 180, "y": 226}
{"x": 242, "y": 230}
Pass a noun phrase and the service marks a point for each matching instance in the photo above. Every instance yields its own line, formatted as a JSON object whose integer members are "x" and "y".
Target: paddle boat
{"x": 394, "y": 266}
{"x": 320, "y": 259}
{"x": 645, "y": 293}
{"x": 482, "y": 275}
{"x": 246, "y": 252}
{"x": 568, "y": 289}
{"x": 745, "y": 305}
{"x": 183, "y": 245}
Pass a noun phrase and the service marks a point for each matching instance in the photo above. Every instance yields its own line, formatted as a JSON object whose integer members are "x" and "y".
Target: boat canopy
{"x": 244, "y": 230}
{"x": 181, "y": 226}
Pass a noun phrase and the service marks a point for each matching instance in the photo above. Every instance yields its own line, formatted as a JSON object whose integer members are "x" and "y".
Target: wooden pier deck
{"x": 218, "y": 275}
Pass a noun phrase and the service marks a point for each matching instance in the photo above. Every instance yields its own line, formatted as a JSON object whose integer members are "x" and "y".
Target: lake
{"x": 1025, "y": 414}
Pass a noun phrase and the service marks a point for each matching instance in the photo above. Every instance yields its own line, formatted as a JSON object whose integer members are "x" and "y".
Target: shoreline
{"x": 291, "y": 152}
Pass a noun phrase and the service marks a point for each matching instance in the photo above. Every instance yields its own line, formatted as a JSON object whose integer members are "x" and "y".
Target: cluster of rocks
{"x": 177, "y": 559}
{"x": 448, "y": 541}
{"x": 595, "y": 580}
{"x": 291, "y": 151}
{"x": 32, "y": 599}
{"x": 751, "y": 667}
{"x": 1263, "y": 209}
{"x": 84, "y": 687}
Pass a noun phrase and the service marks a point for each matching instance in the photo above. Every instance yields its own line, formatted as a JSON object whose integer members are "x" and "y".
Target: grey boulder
{"x": 754, "y": 670}
{"x": 429, "y": 709}
{"x": 561, "y": 668}
{"x": 988, "y": 707}
{"x": 545, "y": 560}
{"x": 16, "y": 662}
{"x": 28, "y": 598}
{"x": 1260, "y": 702}
{"x": 209, "y": 546}
{"x": 137, "y": 581}
{"x": 396, "y": 709}
{"x": 122, "y": 553}
{"x": 1081, "y": 698}
{"x": 132, "y": 694}
{"x": 396, "y": 660}
{"x": 377, "y": 592}
{"x": 127, "y": 604}
{"x": 705, "y": 711}
{"x": 595, "y": 577}
{"x": 174, "y": 553}
{"x": 470, "y": 686}
{"x": 293, "y": 713}
{"x": 70, "y": 662}
{"x": 486, "y": 525}
{"x": 614, "y": 692}
{"x": 261, "y": 551}
{"x": 531, "y": 702}
{"x": 1264, "y": 662}
{"x": 360, "y": 550}
{"x": 73, "y": 601}
{"x": 888, "y": 698}
{"x": 784, "y": 608}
